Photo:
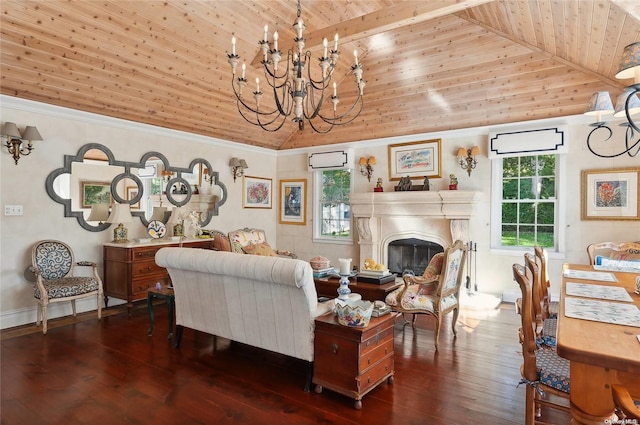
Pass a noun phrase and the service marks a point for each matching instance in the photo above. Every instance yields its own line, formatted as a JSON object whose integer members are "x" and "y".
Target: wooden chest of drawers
{"x": 130, "y": 269}
{"x": 353, "y": 361}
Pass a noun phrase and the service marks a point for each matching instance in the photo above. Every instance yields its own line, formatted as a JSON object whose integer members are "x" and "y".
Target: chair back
{"x": 541, "y": 261}
{"x": 620, "y": 251}
{"x": 526, "y": 331}
{"x": 452, "y": 270}
{"x": 54, "y": 259}
{"x": 532, "y": 272}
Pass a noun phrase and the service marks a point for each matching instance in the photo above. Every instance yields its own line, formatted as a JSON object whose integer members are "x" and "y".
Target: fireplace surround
{"x": 439, "y": 217}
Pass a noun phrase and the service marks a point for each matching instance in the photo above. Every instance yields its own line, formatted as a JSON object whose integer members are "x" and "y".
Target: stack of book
{"x": 376, "y": 276}
{"x": 323, "y": 272}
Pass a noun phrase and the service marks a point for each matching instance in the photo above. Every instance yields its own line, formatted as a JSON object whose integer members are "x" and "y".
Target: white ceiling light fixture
{"x": 295, "y": 92}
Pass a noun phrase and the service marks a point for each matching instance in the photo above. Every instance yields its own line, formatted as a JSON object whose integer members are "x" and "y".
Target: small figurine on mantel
{"x": 378, "y": 187}
{"x": 453, "y": 183}
{"x": 425, "y": 184}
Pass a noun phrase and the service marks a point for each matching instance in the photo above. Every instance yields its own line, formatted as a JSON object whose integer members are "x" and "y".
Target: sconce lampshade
{"x": 10, "y": 129}
{"x": 462, "y": 152}
{"x": 234, "y": 162}
{"x": 31, "y": 133}
{"x": 475, "y": 151}
{"x": 362, "y": 161}
{"x": 99, "y": 212}
{"x": 243, "y": 163}
{"x": 630, "y": 63}
{"x": 634, "y": 104}
{"x": 372, "y": 160}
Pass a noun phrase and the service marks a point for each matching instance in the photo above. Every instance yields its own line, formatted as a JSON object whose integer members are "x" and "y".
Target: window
{"x": 332, "y": 189}
{"x": 526, "y": 206}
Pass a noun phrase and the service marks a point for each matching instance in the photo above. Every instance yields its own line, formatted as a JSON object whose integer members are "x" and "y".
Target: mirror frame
{"x": 79, "y": 157}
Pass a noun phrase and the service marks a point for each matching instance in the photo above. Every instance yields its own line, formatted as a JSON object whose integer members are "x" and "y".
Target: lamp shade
{"x": 461, "y": 152}
{"x": 621, "y": 100}
{"x": 31, "y": 133}
{"x": 121, "y": 213}
{"x": 372, "y": 160}
{"x": 158, "y": 213}
{"x": 99, "y": 212}
{"x": 600, "y": 103}
{"x": 630, "y": 63}
{"x": 234, "y": 162}
{"x": 475, "y": 151}
{"x": 243, "y": 163}
{"x": 177, "y": 215}
{"x": 10, "y": 129}
{"x": 362, "y": 161}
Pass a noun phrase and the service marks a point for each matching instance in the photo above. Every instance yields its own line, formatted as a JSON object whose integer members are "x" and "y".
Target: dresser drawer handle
{"x": 369, "y": 380}
{"x": 377, "y": 339}
{"x": 386, "y": 350}
{"x": 369, "y": 360}
{"x": 334, "y": 348}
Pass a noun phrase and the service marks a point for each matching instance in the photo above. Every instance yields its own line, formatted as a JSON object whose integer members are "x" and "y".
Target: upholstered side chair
{"x": 254, "y": 241}
{"x": 53, "y": 264}
{"x": 421, "y": 295}
{"x": 543, "y": 371}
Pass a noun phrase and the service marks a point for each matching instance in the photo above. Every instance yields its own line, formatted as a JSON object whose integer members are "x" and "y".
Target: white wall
{"x": 65, "y": 131}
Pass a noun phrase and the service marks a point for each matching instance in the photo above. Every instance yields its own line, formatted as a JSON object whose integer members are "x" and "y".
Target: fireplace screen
{"x": 411, "y": 254}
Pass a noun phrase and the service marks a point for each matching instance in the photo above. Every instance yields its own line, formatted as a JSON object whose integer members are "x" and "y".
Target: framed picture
{"x": 610, "y": 194}
{"x": 132, "y": 192}
{"x": 293, "y": 201}
{"x": 415, "y": 159}
{"x": 256, "y": 192}
{"x": 95, "y": 193}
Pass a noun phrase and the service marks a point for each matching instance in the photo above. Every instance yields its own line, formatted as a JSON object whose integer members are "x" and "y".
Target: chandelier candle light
{"x": 294, "y": 90}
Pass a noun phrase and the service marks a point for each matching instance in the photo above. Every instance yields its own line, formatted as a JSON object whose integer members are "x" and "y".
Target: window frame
{"x": 560, "y": 207}
{"x": 318, "y": 237}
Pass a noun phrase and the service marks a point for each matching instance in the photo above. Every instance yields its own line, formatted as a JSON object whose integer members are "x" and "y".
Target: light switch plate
{"x": 13, "y": 210}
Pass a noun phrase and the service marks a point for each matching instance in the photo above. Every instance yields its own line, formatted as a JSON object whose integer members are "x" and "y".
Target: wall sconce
{"x": 467, "y": 158}
{"x": 366, "y": 166}
{"x": 14, "y": 139}
{"x": 627, "y": 104}
{"x": 206, "y": 177}
{"x": 166, "y": 175}
{"x": 237, "y": 167}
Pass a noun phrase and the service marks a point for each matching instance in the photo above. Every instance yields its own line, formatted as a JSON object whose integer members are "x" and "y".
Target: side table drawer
{"x": 376, "y": 340}
{"x": 371, "y": 357}
{"x": 372, "y": 377}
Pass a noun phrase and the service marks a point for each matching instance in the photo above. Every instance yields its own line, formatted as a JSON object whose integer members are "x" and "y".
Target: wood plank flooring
{"x": 111, "y": 372}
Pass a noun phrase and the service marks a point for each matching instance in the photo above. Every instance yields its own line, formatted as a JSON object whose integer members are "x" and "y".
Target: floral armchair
{"x": 53, "y": 264}
{"x": 254, "y": 241}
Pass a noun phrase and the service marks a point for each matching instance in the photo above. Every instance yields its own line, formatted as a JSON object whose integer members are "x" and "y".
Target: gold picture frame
{"x": 415, "y": 159}
{"x": 92, "y": 193}
{"x": 610, "y": 194}
{"x": 293, "y": 201}
{"x": 132, "y": 192}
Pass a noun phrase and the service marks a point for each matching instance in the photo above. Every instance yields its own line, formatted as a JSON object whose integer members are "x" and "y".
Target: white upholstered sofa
{"x": 266, "y": 302}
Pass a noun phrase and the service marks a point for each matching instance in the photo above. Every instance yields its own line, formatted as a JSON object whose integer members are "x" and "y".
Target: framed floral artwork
{"x": 610, "y": 194}
{"x": 415, "y": 159}
{"x": 256, "y": 192}
{"x": 293, "y": 201}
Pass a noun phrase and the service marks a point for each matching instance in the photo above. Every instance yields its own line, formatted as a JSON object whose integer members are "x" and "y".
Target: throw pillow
{"x": 260, "y": 249}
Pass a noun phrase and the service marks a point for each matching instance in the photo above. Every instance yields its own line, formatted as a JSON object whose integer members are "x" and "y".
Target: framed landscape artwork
{"x": 415, "y": 159}
{"x": 256, "y": 192}
{"x": 92, "y": 193}
{"x": 610, "y": 194}
{"x": 293, "y": 201}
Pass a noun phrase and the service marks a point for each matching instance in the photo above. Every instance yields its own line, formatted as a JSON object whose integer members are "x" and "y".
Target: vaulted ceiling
{"x": 428, "y": 65}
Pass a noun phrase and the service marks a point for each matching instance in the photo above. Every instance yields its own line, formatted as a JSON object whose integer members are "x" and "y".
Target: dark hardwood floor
{"x": 111, "y": 372}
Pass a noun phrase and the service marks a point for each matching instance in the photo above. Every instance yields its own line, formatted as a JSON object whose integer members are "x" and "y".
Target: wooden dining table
{"x": 600, "y": 354}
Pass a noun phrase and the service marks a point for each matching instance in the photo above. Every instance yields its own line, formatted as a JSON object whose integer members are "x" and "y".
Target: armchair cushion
{"x": 67, "y": 287}
{"x": 260, "y": 249}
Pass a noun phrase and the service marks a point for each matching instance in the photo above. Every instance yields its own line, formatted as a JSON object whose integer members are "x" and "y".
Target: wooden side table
{"x": 353, "y": 361}
{"x": 166, "y": 294}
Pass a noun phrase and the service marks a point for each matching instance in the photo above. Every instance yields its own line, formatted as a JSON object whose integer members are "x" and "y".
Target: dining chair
{"x": 53, "y": 264}
{"x": 416, "y": 297}
{"x": 549, "y": 308}
{"x": 546, "y": 327}
{"x": 543, "y": 371}
{"x": 626, "y": 406}
{"x": 614, "y": 250}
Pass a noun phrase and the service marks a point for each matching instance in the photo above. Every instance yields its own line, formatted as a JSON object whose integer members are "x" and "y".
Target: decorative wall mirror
{"x": 90, "y": 181}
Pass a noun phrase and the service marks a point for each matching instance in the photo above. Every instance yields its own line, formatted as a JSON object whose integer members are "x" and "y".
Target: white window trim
{"x": 317, "y": 213}
{"x": 496, "y": 209}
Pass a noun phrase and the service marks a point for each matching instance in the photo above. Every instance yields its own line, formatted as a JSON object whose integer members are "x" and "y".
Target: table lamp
{"x": 99, "y": 213}
{"x": 120, "y": 214}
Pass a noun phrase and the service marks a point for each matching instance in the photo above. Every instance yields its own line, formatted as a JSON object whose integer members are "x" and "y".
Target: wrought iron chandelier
{"x": 627, "y": 104}
{"x": 295, "y": 91}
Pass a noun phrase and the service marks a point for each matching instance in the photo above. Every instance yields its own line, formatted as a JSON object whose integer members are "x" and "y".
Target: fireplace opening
{"x": 411, "y": 254}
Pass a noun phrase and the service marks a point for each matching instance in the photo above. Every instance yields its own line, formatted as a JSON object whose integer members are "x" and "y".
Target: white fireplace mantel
{"x": 381, "y": 217}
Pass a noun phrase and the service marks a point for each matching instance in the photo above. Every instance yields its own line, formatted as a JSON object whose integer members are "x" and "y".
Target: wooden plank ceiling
{"x": 429, "y": 65}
